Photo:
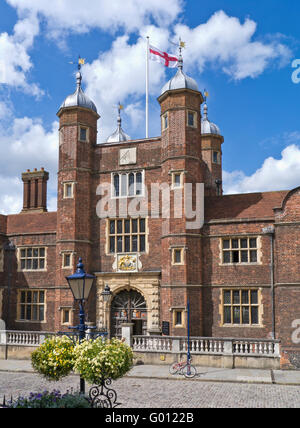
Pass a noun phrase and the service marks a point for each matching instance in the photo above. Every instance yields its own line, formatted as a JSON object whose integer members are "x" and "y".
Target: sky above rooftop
{"x": 242, "y": 52}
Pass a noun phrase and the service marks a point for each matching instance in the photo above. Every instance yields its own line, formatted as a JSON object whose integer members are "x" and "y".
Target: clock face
{"x": 127, "y": 156}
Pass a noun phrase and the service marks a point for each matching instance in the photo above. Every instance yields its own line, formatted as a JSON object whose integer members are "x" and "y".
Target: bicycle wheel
{"x": 189, "y": 371}
{"x": 173, "y": 369}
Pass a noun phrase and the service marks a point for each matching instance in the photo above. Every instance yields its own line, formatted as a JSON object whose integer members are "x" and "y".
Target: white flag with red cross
{"x": 163, "y": 57}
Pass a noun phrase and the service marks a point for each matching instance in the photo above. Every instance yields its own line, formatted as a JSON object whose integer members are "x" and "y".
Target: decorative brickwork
{"x": 198, "y": 272}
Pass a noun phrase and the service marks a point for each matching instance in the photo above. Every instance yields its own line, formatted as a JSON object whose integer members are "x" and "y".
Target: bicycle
{"x": 184, "y": 368}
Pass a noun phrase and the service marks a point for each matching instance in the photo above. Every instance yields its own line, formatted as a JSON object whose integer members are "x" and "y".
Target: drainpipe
{"x": 270, "y": 230}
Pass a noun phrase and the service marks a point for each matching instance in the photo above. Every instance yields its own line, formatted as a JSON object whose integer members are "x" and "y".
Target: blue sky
{"x": 240, "y": 51}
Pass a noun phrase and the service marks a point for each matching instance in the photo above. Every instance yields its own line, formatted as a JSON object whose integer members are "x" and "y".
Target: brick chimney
{"x": 35, "y": 190}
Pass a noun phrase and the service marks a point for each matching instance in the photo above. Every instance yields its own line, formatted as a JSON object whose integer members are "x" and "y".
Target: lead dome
{"x": 79, "y": 98}
{"x": 119, "y": 135}
{"x": 208, "y": 127}
{"x": 180, "y": 80}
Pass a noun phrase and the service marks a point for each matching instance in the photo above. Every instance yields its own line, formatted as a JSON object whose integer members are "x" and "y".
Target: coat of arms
{"x": 127, "y": 263}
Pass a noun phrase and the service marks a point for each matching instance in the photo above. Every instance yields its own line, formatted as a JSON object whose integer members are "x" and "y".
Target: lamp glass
{"x": 77, "y": 287}
{"x": 87, "y": 287}
{"x": 106, "y": 293}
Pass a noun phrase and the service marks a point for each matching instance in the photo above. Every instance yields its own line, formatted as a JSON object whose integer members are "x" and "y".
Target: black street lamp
{"x": 106, "y": 293}
{"x": 81, "y": 283}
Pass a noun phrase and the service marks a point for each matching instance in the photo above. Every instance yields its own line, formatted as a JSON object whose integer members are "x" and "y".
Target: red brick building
{"x": 149, "y": 218}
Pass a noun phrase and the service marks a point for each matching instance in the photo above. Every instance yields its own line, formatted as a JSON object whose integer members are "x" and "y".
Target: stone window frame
{"x": 63, "y": 310}
{"x": 218, "y": 162}
{"x": 175, "y": 173}
{"x": 65, "y": 253}
{"x": 174, "y": 310}
{"x": 127, "y": 174}
{"x": 123, "y": 234}
{"x": 86, "y": 128}
{"x": 194, "y": 113}
{"x": 241, "y": 289}
{"x": 32, "y": 247}
{"x": 66, "y": 184}
{"x": 32, "y": 304}
{"x": 182, "y": 250}
{"x": 239, "y": 249}
{"x": 164, "y": 117}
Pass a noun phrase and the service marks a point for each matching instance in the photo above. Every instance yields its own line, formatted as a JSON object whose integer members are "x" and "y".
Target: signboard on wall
{"x": 165, "y": 327}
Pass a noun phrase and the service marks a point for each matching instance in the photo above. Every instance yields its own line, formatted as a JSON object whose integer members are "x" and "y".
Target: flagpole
{"x": 147, "y": 89}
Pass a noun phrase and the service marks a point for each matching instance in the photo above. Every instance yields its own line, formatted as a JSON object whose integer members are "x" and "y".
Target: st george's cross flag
{"x": 163, "y": 57}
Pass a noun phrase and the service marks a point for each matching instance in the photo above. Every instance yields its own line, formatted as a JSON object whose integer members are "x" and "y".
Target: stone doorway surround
{"x": 146, "y": 283}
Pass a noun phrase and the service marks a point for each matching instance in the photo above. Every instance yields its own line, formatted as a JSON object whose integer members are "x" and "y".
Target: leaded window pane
{"x": 227, "y": 297}
{"x": 245, "y": 315}
{"x": 245, "y": 297}
{"x": 142, "y": 243}
{"x": 226, "y": 257}
{"x": 227, "y": 315}
{"x": 254, "y": 297}
{"x": 112, "y": 244}
{"x": 236, "y": 297}
{"x": 254, "y": 314}
{"x": 134, "y": 243}
{"x": 120, "y": 244}
{"x": 226, "y": 243}
{"x": 244, "y": 256}
{"x": 116, "y": 185}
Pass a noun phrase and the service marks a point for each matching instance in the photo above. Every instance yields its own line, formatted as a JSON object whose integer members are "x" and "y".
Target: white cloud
{"x": 79, "y": 17}
{"x": 275, "y": 174}
{"x": 26, "y": 145}
{"x": 10, "y": 195}
{"x": 15, "y": 62}
{"x": 226, "y": 42}
{"x": 120, "y": 75}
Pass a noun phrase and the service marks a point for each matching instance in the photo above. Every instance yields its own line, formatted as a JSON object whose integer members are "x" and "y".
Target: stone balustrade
{"x": 206, "y": 351}
{"x": 207, "y": 345}
{"x": 22, "y": 338}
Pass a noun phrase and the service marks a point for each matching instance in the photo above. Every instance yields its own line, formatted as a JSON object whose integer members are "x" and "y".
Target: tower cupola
{"x": 180, "y": 80}
{"x": 78, "y": 98}
{"x": 208, "y": 127}
{"x": 119, "y": 135}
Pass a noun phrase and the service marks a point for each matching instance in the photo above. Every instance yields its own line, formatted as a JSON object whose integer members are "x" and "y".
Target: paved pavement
{"x": 283, "y": 377}
{"x": 153, "y": 387}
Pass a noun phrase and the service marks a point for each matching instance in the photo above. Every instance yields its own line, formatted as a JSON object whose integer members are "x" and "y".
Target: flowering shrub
{"x": 99, "y": 359}
{"x": 50, "y": 400}
{"x": 54, "y": 359}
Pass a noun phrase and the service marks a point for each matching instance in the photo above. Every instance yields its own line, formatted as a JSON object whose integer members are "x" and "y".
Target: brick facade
{"x": 179, "y": 262}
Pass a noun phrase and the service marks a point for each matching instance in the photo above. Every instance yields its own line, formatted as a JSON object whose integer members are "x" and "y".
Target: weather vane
{"x": 179, "y": 45}
{"x": 81, "y": 61}
{"x": 119, "y": 106}
{"x": 206, "y": 95}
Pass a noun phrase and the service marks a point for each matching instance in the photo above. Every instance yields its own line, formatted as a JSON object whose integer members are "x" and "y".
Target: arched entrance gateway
{"x": 135, "y": 299}
{"x": 128, "y": 307}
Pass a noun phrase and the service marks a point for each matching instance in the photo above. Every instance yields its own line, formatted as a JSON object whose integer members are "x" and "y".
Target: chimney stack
{"x": 35, "y": 190}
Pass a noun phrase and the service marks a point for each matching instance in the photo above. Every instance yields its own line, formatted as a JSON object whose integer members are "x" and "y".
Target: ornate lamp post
{"x": 80, "y": 284}
{"x": 106, "y": 293}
